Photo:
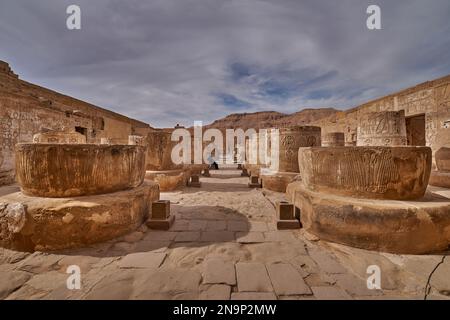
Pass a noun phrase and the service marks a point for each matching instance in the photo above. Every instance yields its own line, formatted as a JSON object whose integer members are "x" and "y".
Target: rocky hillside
{"x": 267, "y": 119}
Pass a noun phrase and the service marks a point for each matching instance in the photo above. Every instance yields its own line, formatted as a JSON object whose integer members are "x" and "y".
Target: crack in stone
{"x": 428, "y": 286}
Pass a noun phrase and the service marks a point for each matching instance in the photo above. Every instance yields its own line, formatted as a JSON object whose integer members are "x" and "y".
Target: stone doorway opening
{"x": 82, "y": 130}
{"x": 415, "y": 130}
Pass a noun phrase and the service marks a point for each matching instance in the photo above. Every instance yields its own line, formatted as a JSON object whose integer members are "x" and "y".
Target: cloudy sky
{"x": 176, "y": 61}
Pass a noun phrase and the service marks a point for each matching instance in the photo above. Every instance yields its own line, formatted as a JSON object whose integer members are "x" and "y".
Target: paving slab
{"x": 253, "y": 296}
{"x": 216, "y": 292}
{"x": 330, "y": 293}
{"x": 217, "y": 236}
{"x": 142, "y": 260}
{"x": 252, "y": 277}
{"x": 249, "y": 237}
{"x": 187, "y": 236}
{"x": 219, "y": 271}
{"x": 286, "y": 280}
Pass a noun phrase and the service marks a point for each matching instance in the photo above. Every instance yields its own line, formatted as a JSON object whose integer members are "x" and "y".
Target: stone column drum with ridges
{"x": 63, "y": 170}
{"x": 395, "y": 173}
{"x": 291, "y": 139}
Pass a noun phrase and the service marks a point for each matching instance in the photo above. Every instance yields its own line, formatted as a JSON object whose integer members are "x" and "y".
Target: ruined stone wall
{"x": 431, "y": 99}
{"x": 26, "y": 109}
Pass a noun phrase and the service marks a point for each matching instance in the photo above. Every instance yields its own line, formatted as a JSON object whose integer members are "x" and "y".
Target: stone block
{"x": 440, "y": 179}
{"x": 160, "y": 210}
{"x": 285, "y": 210}
{"x": 60, "y": 223}
{"x": 163, "y": 224}
{"x": 288, "y": 224}
{"x": 404, "y": 227}
{"x": 168, "y": 180}
{"x": 195, "y": 181}
{"x": 254, "y": 182}
{"x": 277, "y": 181}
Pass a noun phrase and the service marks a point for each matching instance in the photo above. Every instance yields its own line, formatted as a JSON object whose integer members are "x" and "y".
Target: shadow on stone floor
{"x": 195, "y": 226}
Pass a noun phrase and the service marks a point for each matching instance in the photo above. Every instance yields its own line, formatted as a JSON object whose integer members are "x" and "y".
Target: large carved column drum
{"x": 290, "y": 140}
{"x": 160, "y": 167}
{"x": 441, "y": 176}
{"x": 61, "y": 170}
{"x": 74, "y": 195}
{"x": 372, "y": 198}
{"x": 386, "y": 128}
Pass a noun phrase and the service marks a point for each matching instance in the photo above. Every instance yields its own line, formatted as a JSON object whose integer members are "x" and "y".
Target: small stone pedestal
{"x": 206, "y": 173}
{"x": 195, "y": 181}
{"x": 160, "y": 218}
{"x": 286, "y": 216}
{"x": 254, "y": 182}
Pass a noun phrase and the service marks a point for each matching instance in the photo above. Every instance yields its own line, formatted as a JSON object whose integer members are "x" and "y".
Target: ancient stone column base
{"x": 45, "y": 224}
{"x": 168, "y": 180}
{"x": 288, "y": 224}
{"x": 254, "y": 182}
{"x": 286, "y": 216}
{"x": 277, "y": 181}
{"x": 206, "y": 173}
{"x": 440, "y": 179}
{"x": 403, "y": 227}
{"x": 195, "y": 181}
{"x": 164, "y": 224}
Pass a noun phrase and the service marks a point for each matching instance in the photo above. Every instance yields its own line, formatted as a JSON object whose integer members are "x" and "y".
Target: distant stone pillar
{"x": 333, "y": 139}
{"x": 382, "y": 129}
{"x": 291, "y": 139}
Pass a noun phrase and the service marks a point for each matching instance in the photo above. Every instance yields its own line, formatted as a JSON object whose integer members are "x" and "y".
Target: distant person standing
{"x": 212, "y": 163}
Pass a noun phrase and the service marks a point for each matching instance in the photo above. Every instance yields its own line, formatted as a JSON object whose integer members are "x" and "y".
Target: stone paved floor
{"x": 223, "y": 245}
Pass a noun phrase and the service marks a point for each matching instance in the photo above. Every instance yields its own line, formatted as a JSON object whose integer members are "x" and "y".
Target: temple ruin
{"x": 80, "y": 180}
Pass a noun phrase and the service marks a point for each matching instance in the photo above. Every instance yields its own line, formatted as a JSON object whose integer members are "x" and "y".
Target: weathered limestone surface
{"x": 34, "y": 223}
{"x": 443, "y": 159}
{"x": 277, "y": 181}
{"x": 59, "y": 137}
{"x": 291, "y": 139}
{"x": 59, "y": 170}
{"x": 159, "y": 151}
{"x": 333, "y": 139}
{"x": 440, "y": 179}
{"x": 168, "y": 180}
{"x": 409, "y": 227}
{"x": 387, "y": 128}
{"x": 160, "y": 167}
{"x": 397, "y": 173}
{"x": 441, "y": 176}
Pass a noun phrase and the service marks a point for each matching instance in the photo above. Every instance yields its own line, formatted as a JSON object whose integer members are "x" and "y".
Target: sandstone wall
{"x": 25, "y": 109}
